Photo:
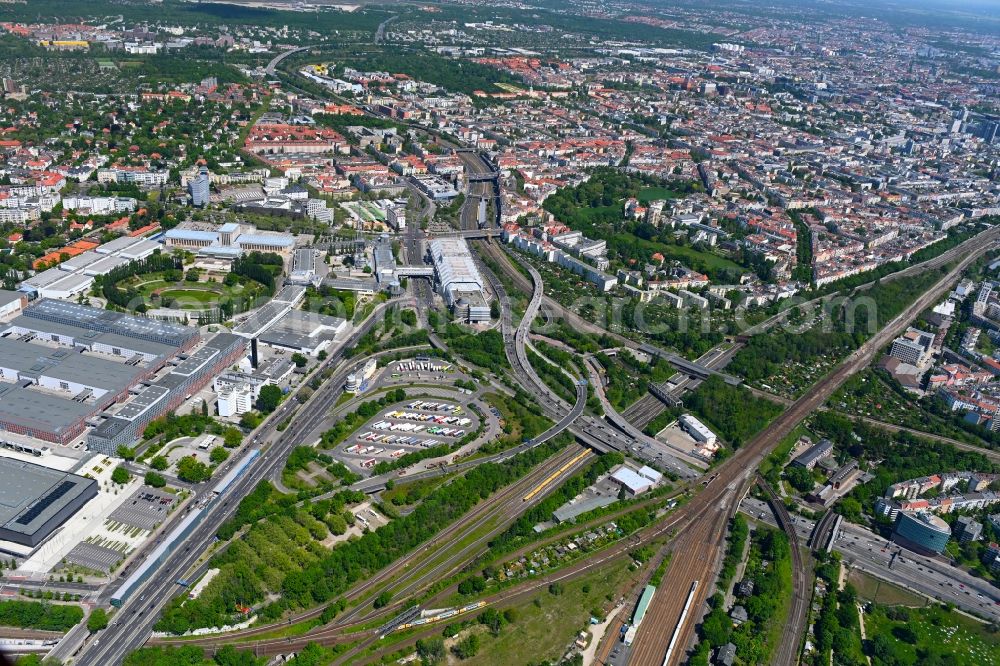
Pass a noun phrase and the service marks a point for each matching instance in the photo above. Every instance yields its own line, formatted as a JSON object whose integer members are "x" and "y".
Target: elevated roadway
{"x": 134, "y": 621}
{"x": 593, "y": 432}
{"x": 698, "y": 548}
{"x": 276, "y": 60}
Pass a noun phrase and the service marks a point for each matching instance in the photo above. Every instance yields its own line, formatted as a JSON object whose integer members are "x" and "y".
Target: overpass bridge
{"x": 470, "y": 234}
{"x": 690, "y": 368}
{"x": 484, "y": 177}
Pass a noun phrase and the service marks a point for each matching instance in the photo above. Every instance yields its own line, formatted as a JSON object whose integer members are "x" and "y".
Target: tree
{"x": 250, "y": 420}
{"x": 850, "y": 509}
{"x": 466, "y": 648}
{"x": 906, "y": 634}
{"x": 232, "y": 438}
{"x": 299, "y": 360}
{"x": 408, "y": 317}
{"x": 126, "y": 452}
{"x": 218, "y": 455}
{"x": 322, "y": 356}
{"x": 800, "y": 478}
{"x": 230, "y": 656}
{"x": 98, "y": 620}
{"x": 383, "y": 599}
{"x": 431, "y": 651}
{"x": 492, "y": 619}
{"x": 120, "y": 475}
{"x": 155, "y": 480}
{"x": 159, "y": 463}
{"x": 269, "y": 398}
{"x": 192, "y": 470}
{"x": 191, "y": 275}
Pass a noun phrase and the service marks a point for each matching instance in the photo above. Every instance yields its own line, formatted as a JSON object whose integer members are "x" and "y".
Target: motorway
{"x": 641, "y": 440}
{"x": 866, "y": 551}
{"x": 794, "y": 628}
{"x": 276, "y": 60}
{"x": 380, "y": 31}
{"x": 590, "y": 430}
{"x": 447, "y": 553}
{"x": 124, "y": 636}
{"x": 713, "y": 506}
{"x": 698, "y": 549}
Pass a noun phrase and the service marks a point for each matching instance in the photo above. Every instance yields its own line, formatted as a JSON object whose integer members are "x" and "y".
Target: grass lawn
{"x": 776, "y": 461}
{"x": 881, "y": 592}
{"x": 689, "y": 254}
{"x": 648, "y": 194}
{"x": 546, "y": 625}
{"x": 933, "y": 634}
{"x": 189, "y": 297}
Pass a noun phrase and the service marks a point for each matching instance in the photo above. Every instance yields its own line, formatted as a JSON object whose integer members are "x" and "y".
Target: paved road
{"x": 592, "y": 431}
{"x": 698, "y": 549}
{"x": 640, "y": 438}
{"x": 380, "y": 32}
{"x": 864, "y": 550}
{"x": 133, "y": 622}
{"x": 794, "y": 628}
{"x": 276, "y": 60}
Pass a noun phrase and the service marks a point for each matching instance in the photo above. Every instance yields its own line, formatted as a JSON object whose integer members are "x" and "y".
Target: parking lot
{"x": 145, "y": 509}
{"x": 678, "y": 439}
{"x": 403, "y": 428}
{"x": 94, "y": 557}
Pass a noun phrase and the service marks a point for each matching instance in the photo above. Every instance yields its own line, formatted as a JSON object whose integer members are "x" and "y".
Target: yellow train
{"x": 442, "y": 616}
{"x": 555, "y": 475}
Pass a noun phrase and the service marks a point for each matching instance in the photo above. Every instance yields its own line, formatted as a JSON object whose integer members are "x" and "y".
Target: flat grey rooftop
{"x": 62, "y": 363}
{"x": 90, "y": 336}
{"x": 108, "y": 321}
{"x": 42, "y": 411}
{"x": 30, "y": 494}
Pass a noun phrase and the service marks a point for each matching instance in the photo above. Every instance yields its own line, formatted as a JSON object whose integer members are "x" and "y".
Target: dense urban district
{"x": 619, "y": 333}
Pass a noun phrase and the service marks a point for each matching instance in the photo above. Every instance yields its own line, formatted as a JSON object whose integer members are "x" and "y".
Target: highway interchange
{"x": 699, "y": 526}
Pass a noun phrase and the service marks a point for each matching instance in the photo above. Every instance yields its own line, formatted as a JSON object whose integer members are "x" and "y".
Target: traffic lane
{"x": 906, "y": 559}
{"x": 160, "y": 584}
{"x": 890, "y": 562}
{"x": 883, "y": 562}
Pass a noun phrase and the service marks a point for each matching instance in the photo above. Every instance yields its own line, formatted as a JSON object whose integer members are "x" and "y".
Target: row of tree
{"x": 39, "y": 615}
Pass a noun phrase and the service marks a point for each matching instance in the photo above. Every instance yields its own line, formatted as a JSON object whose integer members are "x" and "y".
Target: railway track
{"x": 715, "y": 505}
{"x": 508, "y": 503}
{"x": 712, "y": 536}
{"x": 644, "y": 410}
{"x": 794, "y": 627}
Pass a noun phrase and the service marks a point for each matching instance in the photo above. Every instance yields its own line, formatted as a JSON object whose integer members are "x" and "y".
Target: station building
{"x": 458, "y": 279}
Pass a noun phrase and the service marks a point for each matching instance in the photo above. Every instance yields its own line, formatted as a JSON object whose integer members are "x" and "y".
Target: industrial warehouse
{"x": 36, "y": 500}
{"x": 66, "y": 366}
